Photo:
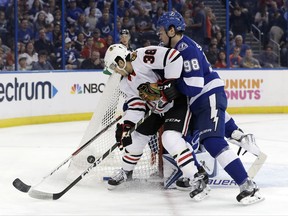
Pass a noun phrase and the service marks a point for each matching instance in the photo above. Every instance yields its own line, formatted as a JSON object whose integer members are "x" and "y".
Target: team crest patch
{"x": 182, "y": 46}
{"x": 133, "y": 56}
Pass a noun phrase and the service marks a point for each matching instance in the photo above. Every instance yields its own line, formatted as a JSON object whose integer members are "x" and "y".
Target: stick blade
{"x": 21, "y": 186}
{"x": 40, "y": 194}
{"x": 257, "y": 165}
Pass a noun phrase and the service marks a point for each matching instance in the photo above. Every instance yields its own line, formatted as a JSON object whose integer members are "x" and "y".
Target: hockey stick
{"x": 257, "y": 165}
{"x": 21, "y": 186}
{"x": 54, "y": 196}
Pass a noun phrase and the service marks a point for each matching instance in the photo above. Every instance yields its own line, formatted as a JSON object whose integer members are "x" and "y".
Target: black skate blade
{"x": 21, "y": 186}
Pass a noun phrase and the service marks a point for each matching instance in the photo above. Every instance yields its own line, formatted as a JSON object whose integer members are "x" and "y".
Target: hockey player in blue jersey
{"x": 208, "y": 102}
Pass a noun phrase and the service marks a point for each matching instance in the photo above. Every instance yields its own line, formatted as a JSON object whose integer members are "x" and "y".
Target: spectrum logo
{"x": 90, "y": 88}
{"x": 20, "y": 91}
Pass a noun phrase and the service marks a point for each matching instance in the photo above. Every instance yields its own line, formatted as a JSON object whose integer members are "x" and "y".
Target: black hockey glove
{"x": 168, "y": 90}
{"x": 122, "y": 136}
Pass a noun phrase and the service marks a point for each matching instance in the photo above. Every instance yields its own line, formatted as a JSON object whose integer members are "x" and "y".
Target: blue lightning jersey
{"x": 197, "y": 78}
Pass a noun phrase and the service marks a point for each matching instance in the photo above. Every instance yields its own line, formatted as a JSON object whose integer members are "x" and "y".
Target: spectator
{"x": 121, "y": 8}
{"x": 146, "y": 5}
{"x": 135, "y": 38}
{"x": 43, "y": 44}
{"x": 99, "y": 42}
{"x": 73, "y": 11}
{"x": 143, "y": 22}
{"x": 210, "y": 21}
{"x": 49, "y": 18}
{"x": 2, "y": 61}
{"x": 72, "y": 31}
{"x": 92, "y": 19}
{"x": 22, "y": 63}
{"x": 70, "y": 56}
{"x": 248, "y": 61}
{"x": 155, "y": 18}
{"x": 81, "y": 23}
{"x": 30, "y": 54}
{"x": 135, "y": 8}
{"x": 199, "y": 25}
{"x": 105, "y": 24}
{"x": 127, "y": 20}
{"x": 284, "y": 54}
{"x": 278, "y": 29}
{"x": 35, "y": 8}
{"x": 125, "y": 38}
{"x": 88, "y": 48}
{"x": 93, "y": 11}
{"x": 57, "y": 17}
{"x": 39, "y": 22}
{"x": 42, "y": 63}
{"x": 261, "y": 20}
{"x": 80, "y": 42}
{"x": 94, "y": 62}
{"x": 5, "y": 49}
{"x": 240, "y": 44}
{"x": 211, "y": 54}
{"x": 235, "y": 58}
{"x": 240, "y": 23}
{"x": 221, "y": 60}
{"x": 56, "y": 32}
{"x": 188, "y": 21}
{"x": 267, "y": 58}
{"x": 3, "y": 25}
{"x": 25, "y": 34}
{"x": 109, "y": 40}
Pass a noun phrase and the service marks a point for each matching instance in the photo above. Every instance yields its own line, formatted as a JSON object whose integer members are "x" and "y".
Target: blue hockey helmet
{"x": 172, "y": 18}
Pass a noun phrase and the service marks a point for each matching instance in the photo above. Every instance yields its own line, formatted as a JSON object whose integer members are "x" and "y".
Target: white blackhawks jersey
{"x": 150, "y": 64}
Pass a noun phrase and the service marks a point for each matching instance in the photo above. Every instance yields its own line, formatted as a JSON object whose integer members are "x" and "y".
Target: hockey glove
{"x": 169, "y": 90}
{"x": 149, "y": 91}
{"x": 123, "y": 138}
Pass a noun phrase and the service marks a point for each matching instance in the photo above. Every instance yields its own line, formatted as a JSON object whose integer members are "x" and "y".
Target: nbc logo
{"x": 76, "y": 89}
{"x": 88, "y": 88}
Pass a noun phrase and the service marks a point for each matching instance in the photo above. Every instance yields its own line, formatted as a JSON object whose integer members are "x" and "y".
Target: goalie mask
{"x": 114, "y": 52}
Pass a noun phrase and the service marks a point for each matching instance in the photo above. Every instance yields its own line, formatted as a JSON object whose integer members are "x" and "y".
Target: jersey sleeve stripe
{"x": 173, "y": 52}
{"x": 165, "y": 57}
{"x": 176, "y": 57}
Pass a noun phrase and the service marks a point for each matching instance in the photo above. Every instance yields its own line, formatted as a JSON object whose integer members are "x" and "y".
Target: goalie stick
{"x": 257, "y": 164}
{"x": 21, "y": 186}
{"x": 55, "y": 196}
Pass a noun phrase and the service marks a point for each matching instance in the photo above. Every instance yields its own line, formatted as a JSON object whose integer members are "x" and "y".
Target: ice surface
{"x": 30, "y": 152}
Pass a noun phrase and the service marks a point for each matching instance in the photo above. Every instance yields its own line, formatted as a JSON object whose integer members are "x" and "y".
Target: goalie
{"x": 161, "y": 67}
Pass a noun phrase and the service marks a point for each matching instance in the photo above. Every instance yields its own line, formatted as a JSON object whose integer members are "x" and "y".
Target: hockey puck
{"x": 91, "y": 159}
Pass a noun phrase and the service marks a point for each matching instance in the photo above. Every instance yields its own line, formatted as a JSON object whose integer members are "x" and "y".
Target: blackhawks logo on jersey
{"x": 133, "y": 56}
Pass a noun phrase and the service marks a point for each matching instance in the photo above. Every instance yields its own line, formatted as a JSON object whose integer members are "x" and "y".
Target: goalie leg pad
{"x": 171, "y": 171}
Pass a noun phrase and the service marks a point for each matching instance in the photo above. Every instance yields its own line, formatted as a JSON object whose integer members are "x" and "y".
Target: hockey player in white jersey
{"x": 208, "y": 102}
{"x": 149, "y": 76}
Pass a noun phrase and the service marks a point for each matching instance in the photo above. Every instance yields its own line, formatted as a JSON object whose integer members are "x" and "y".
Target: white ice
{"x": 30, "y": 152}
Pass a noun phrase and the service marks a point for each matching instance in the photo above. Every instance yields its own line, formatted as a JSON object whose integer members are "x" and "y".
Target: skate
{"x": 184, "y": 183}
{"x": 249, "y": 193}
{"x": 199, "y": 187}
{"x": 118, "y": 178}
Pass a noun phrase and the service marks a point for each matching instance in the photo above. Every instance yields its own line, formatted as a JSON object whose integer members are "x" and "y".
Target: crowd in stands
{"x": 89, "y": 30}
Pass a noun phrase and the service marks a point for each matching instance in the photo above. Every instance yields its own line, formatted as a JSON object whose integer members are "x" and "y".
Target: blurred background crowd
{"x": 257, "y": 31}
